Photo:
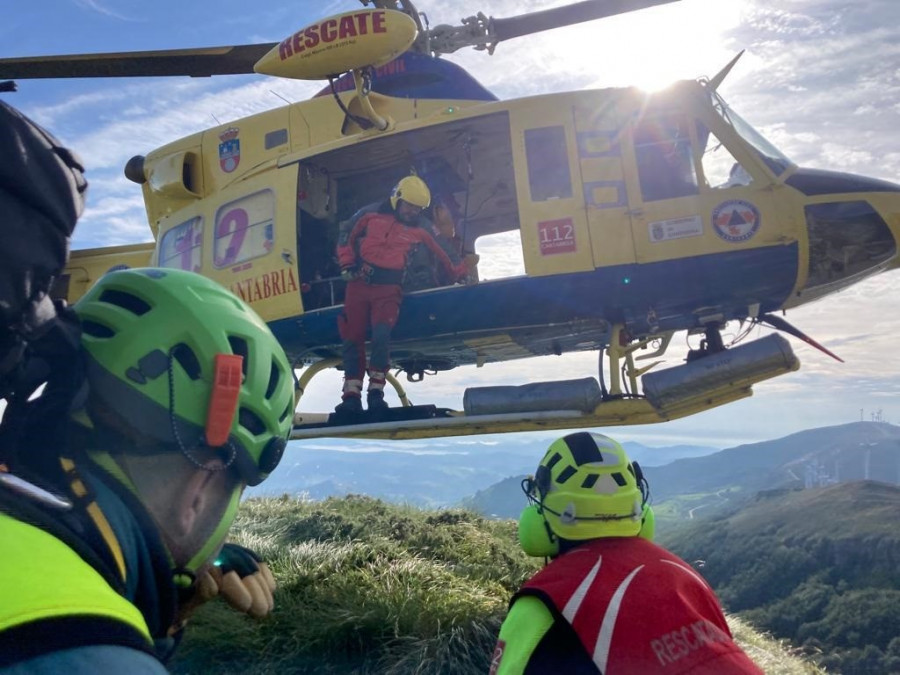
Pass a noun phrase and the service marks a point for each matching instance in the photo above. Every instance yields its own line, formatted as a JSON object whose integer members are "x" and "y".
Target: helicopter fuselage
{"x": 654, "y": 213}
{"x": 657, "y": 213}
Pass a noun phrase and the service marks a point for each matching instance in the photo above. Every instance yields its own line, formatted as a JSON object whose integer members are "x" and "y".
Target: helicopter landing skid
{"x": 388, "y": 416}
{"x": 678, "y": 391}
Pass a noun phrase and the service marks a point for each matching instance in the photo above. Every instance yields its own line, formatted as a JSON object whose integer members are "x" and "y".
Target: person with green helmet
{"x": 108, "y": 542}
{"x": 609, "y": 601}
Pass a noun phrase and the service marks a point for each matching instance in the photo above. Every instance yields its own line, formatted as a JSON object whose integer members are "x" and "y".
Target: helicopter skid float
{"x": 637, "y": 216}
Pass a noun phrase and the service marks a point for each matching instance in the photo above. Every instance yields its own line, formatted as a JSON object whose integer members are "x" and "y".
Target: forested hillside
{"x": 820, "y": 567}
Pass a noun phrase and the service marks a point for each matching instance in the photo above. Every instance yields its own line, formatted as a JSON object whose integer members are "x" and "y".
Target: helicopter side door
{"x": 602, "y": 175}
{"x": 243, "y": 237}
{"x": 663, "y": 187}
{"x": 552, "y": 214}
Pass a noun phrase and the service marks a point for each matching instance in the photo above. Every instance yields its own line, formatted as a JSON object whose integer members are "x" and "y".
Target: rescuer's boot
{"x": 349, "y": 405}
{"x": 375, "y": 400}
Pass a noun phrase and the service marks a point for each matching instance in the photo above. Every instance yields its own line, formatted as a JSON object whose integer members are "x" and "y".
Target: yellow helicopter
{"x": 637, "y": 216}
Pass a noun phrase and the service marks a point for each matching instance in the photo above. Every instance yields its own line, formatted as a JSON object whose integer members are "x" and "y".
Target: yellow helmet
{"x": 586, "y": 487}
{"x": 412, "y": 190}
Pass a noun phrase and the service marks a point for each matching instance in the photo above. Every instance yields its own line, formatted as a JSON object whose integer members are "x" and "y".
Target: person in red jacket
{"x": 372, "y": 259}
{"x": 610, "y": 601}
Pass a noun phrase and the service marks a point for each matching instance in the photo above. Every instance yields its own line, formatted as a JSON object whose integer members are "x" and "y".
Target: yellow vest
{"x": 42, "y": 578}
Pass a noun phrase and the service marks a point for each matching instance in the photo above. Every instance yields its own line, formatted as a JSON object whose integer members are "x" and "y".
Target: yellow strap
{"x": 109, "y": 537}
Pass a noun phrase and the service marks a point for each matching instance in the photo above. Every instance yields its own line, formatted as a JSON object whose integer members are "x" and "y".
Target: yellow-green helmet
{"x": 152, "y": 337}
{"x": 412, "y": 190}
{"x": 586, "y": 487}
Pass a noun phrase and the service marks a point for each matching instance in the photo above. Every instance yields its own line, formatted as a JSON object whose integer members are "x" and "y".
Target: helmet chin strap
{"x": 185, "y": 576}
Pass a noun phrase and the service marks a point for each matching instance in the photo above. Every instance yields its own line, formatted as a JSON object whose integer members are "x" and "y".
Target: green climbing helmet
{"x": 162, "y": 347}
{"x": 586, "y": 487}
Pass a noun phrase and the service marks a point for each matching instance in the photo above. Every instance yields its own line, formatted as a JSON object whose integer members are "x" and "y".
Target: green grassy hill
{"x": 369, "y": 587}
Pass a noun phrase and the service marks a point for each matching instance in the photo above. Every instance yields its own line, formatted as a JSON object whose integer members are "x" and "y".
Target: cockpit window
{"x": 662, "y": 147}
{"x": 721, "y": 169}
{"x": 772, "y": 156}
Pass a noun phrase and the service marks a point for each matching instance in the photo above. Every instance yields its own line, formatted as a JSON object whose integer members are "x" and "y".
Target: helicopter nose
{"x": 851, "y": 238}
{"x": 894, "y": 224}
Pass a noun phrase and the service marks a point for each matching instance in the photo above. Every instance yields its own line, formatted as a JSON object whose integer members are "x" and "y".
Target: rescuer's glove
{"x": 349, "y": 274}
{"x": 244, "y": 580}
{"x": 239, "y": 576}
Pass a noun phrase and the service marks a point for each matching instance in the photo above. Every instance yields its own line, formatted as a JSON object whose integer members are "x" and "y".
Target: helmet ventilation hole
{"x": 97, "y": 330}
{"x": 125, "y": 300}
{"x": 274, "y": 377}
{"x": 566, "y": 474}
{"x": 239, "y": 348}
{"x": 187, "y": 360}
{"x": 251, "y": 421}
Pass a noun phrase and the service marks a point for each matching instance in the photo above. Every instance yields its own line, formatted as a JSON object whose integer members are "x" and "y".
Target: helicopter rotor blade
{"x": 567, "y": 15}
{"x": 198, "y": 62}
{"x": 480, "y": 32}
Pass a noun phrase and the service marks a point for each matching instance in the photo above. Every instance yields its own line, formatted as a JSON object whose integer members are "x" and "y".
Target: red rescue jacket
{"x": 637, "y": 608}
{"x": 383, "y": 241}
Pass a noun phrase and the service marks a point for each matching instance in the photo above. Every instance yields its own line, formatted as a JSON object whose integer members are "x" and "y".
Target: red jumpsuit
{"x": 617, "y": 606}
{"x": 377, "y": 248}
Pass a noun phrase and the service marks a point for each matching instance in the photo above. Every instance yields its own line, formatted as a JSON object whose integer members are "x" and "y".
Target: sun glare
{"x": 652, "y": 48}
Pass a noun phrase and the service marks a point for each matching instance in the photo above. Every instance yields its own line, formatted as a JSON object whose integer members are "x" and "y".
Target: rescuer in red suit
{"x": 372, "y": 260}
{"x": 610, "y": 601}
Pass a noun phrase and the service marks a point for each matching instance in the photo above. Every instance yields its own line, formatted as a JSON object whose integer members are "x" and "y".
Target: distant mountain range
{"x": 816, "y": 457}
{"x": 432, "y": 473}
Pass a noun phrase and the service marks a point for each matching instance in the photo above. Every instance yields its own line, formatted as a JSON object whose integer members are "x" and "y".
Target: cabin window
{"x": 181, "y": 246}
{"x": 548, "y": 164}
{"x": 501, "y": 255}
{"x": 845, "y": 239}
{"x": 662, "y": 147}
{"x": 720, "y": 168}
{"x": 244, "y": 229}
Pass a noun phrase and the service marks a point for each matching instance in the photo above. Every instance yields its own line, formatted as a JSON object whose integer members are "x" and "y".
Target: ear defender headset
{"x": 584, "y": 488}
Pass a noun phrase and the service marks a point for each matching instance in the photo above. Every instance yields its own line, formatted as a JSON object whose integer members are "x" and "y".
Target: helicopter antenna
{"x": 218, "y": 123}
{"x": 275, "y": 93}
{"x": 722, "y": 74}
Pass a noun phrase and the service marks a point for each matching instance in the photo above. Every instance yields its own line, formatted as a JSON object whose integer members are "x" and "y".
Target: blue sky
{"x": 820, "y": 78}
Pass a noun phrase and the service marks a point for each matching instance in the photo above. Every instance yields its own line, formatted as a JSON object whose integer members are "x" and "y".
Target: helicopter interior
{"x": 468, "y": 166}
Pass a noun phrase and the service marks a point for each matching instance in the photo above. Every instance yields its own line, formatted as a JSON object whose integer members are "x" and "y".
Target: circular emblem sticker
{"x": 736, "y": 220}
